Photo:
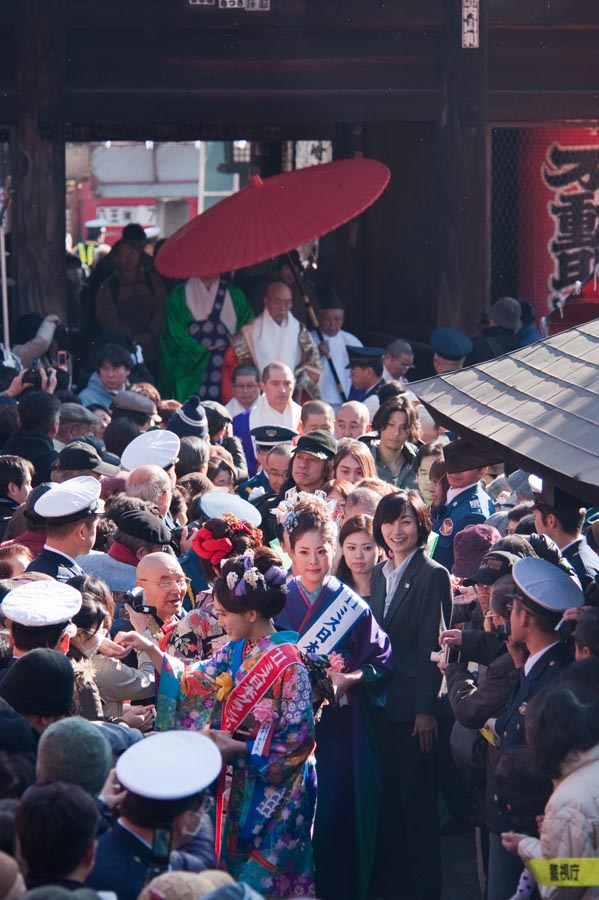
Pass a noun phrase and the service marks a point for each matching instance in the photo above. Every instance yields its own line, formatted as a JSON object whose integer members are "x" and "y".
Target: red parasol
{"x": 271, "y": 217}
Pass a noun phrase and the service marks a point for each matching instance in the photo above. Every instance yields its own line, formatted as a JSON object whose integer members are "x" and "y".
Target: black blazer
{"x": 53, "y": 563}
{"x": 413, "y": 622}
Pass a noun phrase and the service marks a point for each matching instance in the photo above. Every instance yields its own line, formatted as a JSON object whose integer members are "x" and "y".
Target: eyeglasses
{"x": 182, "y": 582}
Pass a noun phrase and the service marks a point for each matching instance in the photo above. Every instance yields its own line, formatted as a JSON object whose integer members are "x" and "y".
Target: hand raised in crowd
{"x": 226, "y": 743}
{"x": 134, "y": 640}
{"x": 112, "y": 649}
{"x": 187, "y": 536}
{"x": 48, "y": 380}
{"x": 140, "y": 717}
{"x": 575, "y": 614}
{"x": 518, "y": 652}
{"x": 139, "y": 620}
{"x": 426, "y": 730}
{"x": 511, "y": 840}
{"x": 112, "y": 794}
{"x": 453, "y": 637}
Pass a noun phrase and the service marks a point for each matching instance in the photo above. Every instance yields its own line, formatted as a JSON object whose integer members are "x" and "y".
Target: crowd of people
{"x": 267, "y": 629}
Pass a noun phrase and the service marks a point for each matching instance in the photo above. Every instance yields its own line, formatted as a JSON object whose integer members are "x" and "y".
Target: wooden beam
{"x": 463, "y": 176}
{"x": 39, "y": 225}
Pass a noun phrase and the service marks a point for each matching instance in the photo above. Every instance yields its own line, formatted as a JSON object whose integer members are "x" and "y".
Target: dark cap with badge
{"x": 463, "y": 455}
{"x": 79, "y": 456}
{"x": 545, "y": 589}
{"x": 494, "y": 565}
{"x": 364, "y": 356}
{"x": 268, "y": 436}
{"x": 450, "y": 343}
{"x": 317, "y": 443}
{"x": 545, "y": 494}
{"x": 144, "y": 525}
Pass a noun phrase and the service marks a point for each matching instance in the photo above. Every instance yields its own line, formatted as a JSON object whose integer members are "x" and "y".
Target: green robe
{"x": 183, "y": 360}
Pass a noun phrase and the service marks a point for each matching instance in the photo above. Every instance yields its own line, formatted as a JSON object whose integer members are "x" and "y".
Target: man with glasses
{"x": 398, "y": 361}
{"x": 165, "y": 586}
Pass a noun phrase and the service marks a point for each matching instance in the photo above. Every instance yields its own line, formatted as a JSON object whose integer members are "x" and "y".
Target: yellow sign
{"x": 565, "y": 872}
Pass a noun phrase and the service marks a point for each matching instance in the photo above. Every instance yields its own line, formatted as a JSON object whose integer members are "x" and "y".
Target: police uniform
{"x": 123, "y": 861}
{"x": 545, "y": 590}
{"x": 265, "y": 438}
{"x": 158, "y": 447}
{"x": 450, "y": 343}
{"x": 39, "y": 604}
{"x": 63, "y": 504}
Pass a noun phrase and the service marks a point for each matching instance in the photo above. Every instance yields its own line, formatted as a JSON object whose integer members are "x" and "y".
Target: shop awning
{"x": 537, "y": 408}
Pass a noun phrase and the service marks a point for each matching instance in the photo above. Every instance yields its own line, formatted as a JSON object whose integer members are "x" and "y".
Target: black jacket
{"x": 37, "y": 448}
{"x": 413, "y": 622}
{"x": 53, "y": 563}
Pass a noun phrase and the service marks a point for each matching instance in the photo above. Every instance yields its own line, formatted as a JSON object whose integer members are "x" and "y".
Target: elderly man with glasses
{"x": 165, "y": 586}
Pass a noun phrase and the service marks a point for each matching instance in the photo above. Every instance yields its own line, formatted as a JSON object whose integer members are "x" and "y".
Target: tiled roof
{"x": 538, "y": 407}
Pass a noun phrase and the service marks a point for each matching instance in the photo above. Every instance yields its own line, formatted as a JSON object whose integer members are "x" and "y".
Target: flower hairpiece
{"x": 232, "y": 579}
{"x": 285, "y": 512}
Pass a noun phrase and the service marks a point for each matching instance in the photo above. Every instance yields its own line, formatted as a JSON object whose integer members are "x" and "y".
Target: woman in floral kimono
{"x": 198, "y": 634}
{"x": 255, "y": 693}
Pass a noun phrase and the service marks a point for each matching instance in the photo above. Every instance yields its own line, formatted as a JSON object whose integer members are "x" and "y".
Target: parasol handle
{"x": 314, "y": 320}
{"x": 3, "y": 274}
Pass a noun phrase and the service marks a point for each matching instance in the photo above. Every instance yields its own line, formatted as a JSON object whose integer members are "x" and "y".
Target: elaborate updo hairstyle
{"x": 254, "y": 581}
{"x": 310, "y": 514}
{"x": 392, "y": 507}
{"x": 223, "y": 538}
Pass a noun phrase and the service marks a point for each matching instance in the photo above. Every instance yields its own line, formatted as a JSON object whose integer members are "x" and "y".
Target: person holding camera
{"x": 155, "y": 610}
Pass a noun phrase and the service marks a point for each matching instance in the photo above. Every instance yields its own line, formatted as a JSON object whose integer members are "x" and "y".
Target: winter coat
{"x": 571, "y": 825}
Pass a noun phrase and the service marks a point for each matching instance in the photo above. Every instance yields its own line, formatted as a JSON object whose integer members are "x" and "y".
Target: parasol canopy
{"x": 272, "y": 217}
{"x": 537, "y": 408}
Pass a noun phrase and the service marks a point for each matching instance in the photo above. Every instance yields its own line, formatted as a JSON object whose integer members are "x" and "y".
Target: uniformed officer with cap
{"x": 157, "y": 448}
{"x": 366, "y": 375}
{"x": 39, "y": 614}
{"x": 450, "y": 348}
{"x": 542, "y": 595}
{"x": 467, "y": 501}
{"x": 561, "y": 516}
{"x": 71, "y": 511}
{"x": 166, "y": 779}
{"x": 265, "y": 438}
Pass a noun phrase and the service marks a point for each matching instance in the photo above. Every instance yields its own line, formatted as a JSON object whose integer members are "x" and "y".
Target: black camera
{"x": 137, "y": 600}
{"x": 32, "y": 376}
{"x": 503, "y": 631}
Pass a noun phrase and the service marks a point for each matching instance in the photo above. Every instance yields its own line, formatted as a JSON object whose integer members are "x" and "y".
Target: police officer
{"x": 366, "y": 375}
{"x": 467, "y": 501}
{"x": 265, "y": 438}
{"x": 71, "y": 511}
{"x": 450, "y": 349}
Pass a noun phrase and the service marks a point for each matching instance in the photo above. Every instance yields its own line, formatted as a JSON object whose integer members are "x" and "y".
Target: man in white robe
{"x": 276, "y": 335}
{"x": 334, "y": 347}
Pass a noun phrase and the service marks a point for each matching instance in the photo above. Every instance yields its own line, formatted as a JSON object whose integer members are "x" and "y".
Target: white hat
{"x": 70, "y": 501}
{"x": 169, "y": 766}
{"x": 40, "y": 603}
{"x": 157, "y": 448}
{"x": 152, "y": 231}
{"x": 96, "y": 223}
{"x": 546, "y": 585}
{"x": 214, "y": 503}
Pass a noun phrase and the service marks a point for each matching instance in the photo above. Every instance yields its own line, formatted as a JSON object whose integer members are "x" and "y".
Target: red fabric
{"x": 34, "y": 540}
{"x": 123, "y": 554}
{"x": 272, "y": 217}
{"x": 209, "y": 547}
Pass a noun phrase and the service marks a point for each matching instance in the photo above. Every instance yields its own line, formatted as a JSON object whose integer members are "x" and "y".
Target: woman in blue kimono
{"x": 255, "y": 695}
{"x": 333, "y": 620}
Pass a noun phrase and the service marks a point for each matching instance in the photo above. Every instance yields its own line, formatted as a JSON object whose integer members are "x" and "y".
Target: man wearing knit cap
{"x": 561, "y": 516}
{"x": 39, "y": 614}
{"x": 500, "y": 335}
{"x": 76, "y": 751}
{"x": 158, "y": 795}
{"x": 467, "y": 501}
{"x": 189, "y": 420}
{"x": 71, "y": 512}
{"x": 40, "y": 687}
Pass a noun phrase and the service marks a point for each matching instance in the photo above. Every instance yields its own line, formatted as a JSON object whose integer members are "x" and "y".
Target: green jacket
{"x": 184, "y": 361}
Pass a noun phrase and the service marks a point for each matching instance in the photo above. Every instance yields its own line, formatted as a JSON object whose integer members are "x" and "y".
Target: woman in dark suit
{"x": 408, "y": 593}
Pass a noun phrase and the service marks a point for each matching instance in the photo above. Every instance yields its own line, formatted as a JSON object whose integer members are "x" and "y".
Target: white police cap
{"x": 157, "y": 448}
{"x": 546, "y": 586}
{"x": 70, "y": 501}
{"x": 214, "y": 503}
{"x": 40, "y": 603}
{"x": 96, "y": 223}
{"x": 170, "y": 765}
